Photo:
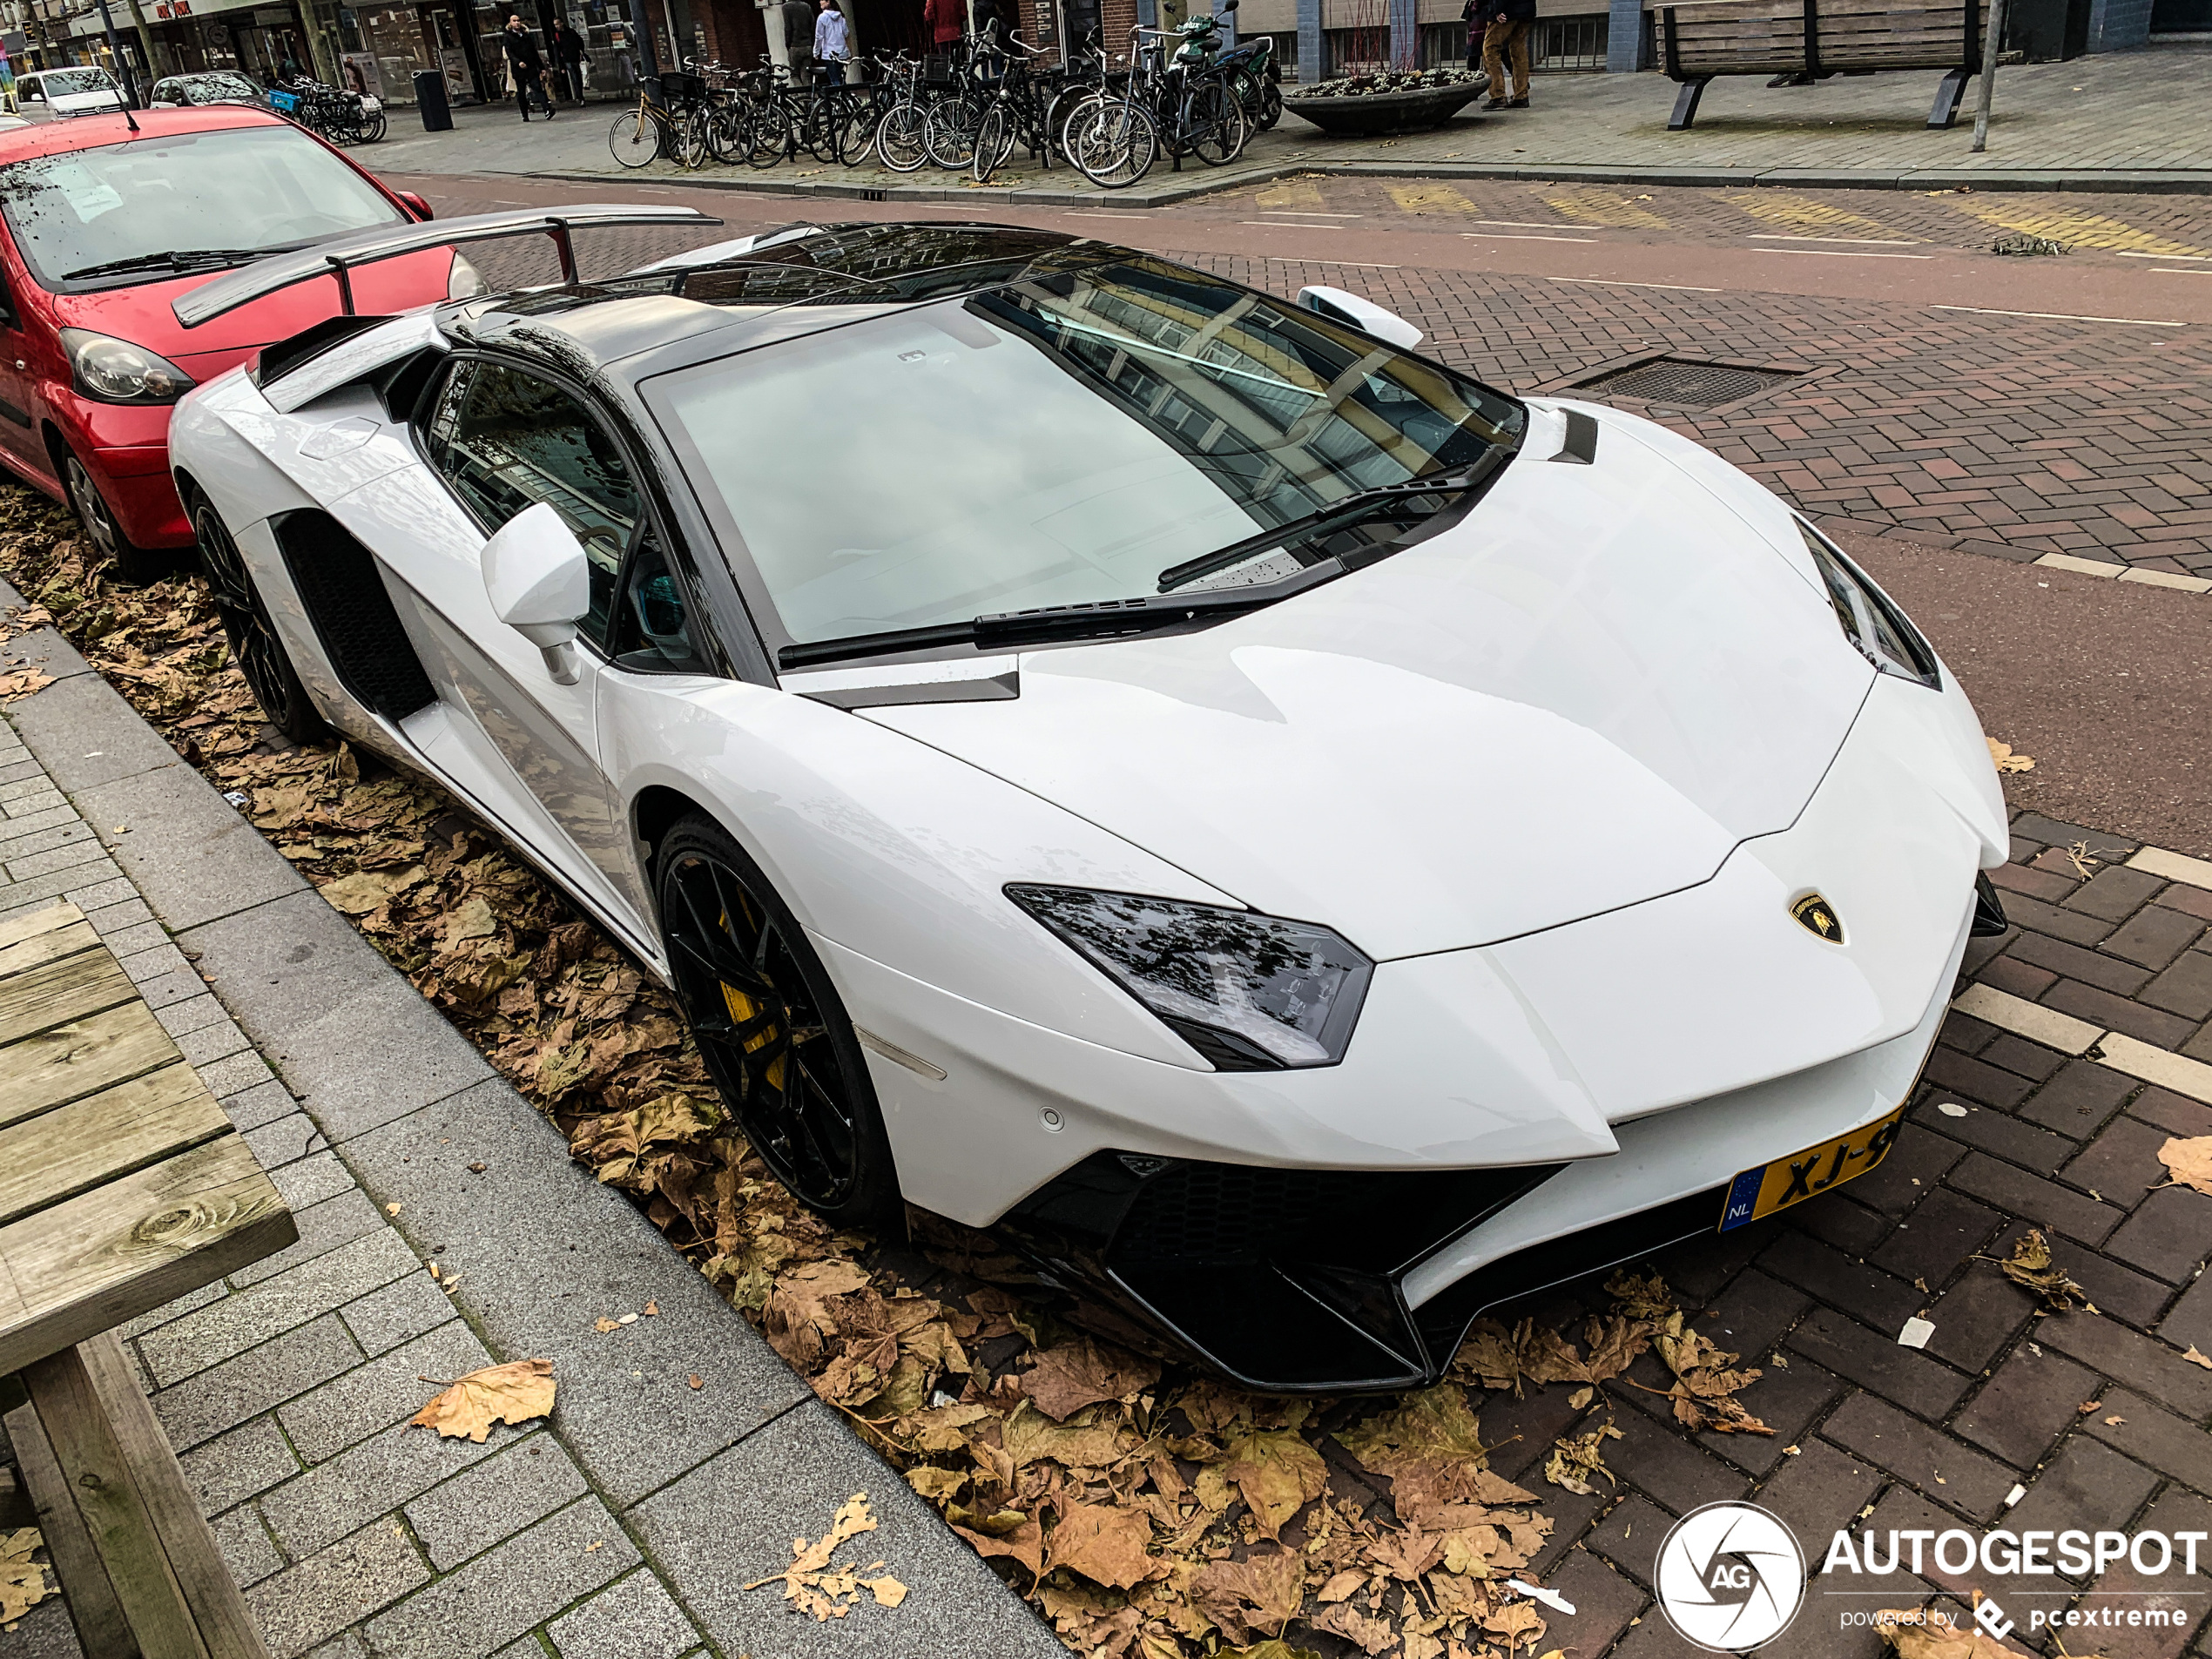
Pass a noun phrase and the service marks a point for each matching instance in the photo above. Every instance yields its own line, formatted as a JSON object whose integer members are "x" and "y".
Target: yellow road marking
{"x": 1605, "y": 207}
{"x": 1780, "y": 207}
{"x": 2075, "y": 229}
{"x": 1290, "y": 192}
{"x": 1430, "y": 199}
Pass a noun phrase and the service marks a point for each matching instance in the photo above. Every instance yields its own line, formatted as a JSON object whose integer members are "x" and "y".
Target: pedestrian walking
{"x": 1506, "y": 36}
{"x": 946, "y": 20}
{"x": 568, "y": 52}
{"x": 1471, "y": 14}
{"x": 832, "y": 46}
{"x": 524, "y": 66}
{"x": 799, "y": 40}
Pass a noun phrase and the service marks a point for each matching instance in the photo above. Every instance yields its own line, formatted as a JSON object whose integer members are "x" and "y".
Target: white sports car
{"x": 1308, "y": 846}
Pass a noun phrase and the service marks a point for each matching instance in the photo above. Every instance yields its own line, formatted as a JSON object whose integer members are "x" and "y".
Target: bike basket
{"x": 937, "y": 69}
{"x": 679, "y": 88}
{"x": 284, "y": 103}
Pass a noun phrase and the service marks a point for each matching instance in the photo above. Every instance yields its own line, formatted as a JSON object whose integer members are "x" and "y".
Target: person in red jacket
{"x": 947, "y": 19}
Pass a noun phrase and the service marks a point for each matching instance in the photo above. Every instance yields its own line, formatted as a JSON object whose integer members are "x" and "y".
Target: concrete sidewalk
{"x": 2123, "y": 121}
{"x": 682, "y": 1455}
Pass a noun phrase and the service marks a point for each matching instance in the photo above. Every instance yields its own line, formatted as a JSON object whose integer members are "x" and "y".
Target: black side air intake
{"x": 353, "y": 615}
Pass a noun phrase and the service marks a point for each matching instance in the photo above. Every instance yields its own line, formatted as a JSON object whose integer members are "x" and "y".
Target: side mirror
{"x": 1223, "y": 11}
{"x": 416, "y": 204}
{"x": 538, "y": 579}
{"x": 1340, "y": 306}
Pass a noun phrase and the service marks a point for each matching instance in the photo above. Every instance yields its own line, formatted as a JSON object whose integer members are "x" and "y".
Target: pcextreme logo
{"x": 1731, "y": 1577}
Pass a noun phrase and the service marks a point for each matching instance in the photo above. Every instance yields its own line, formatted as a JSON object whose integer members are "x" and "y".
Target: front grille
{"x": 1215, "y": 1212}
{"x": 1685, "y": 381}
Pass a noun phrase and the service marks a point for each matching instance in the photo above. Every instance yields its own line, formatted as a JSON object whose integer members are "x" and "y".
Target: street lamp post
{"x": 115, "y": 51}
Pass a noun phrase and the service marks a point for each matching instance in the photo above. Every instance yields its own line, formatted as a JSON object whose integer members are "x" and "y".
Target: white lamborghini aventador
{"x": 1308, "y": 845}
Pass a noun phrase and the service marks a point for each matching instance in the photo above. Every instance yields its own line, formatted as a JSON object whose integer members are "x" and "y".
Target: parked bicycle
{"x": 676, "y": 128}
{"x": 341, "y": 117}
{"x": 1183, "y": 103}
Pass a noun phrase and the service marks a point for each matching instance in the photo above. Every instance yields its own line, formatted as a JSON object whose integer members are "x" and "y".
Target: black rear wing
{"x": 338, "y": 257}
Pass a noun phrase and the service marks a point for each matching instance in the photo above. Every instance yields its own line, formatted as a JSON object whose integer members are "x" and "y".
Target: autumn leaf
{"x": 23, "y": 1581}
{"x": 359, "y": 894}
{"x": 1083, "y": 1372}
{"x": 1577, "y": 1458}
{"x": 470, "y": 1405}
{"x": 2189, "y": 1164}
{"x": 2196, "y": 1358}
{"x": 2031, "y": 1267}
{"x": 1371, "y": 1635}
{"x": 2001, "y": 757}
{"x": 1107, "y": 1545}
{"x": 1910, "y": 1636}
{"x": 812, "y": 1584}
{"x": 1273, "y": 1648}
{"x": 20, "y": 684}
{"x": 1251, "y": 1598}
{"x": 1276, "y": 1474}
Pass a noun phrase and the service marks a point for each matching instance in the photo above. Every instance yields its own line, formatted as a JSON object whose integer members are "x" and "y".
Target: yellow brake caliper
{"x": 743, "y": 1007}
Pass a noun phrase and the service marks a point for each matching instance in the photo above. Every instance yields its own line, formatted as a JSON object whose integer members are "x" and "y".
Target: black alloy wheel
{"x": 261, "y": 656}
{"x": 770, "y": 1028}
{"x": 135, "y": 564}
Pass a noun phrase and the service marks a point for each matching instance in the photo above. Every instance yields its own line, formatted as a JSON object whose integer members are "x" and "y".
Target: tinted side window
{"x": 653, "y": 625}
{"x": 506, "y": 440}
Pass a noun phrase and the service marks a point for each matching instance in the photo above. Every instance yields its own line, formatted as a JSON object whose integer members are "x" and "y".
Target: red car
{"x": 100, "y": 228}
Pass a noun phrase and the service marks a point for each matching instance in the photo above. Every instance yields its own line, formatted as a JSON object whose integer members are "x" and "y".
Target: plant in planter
{"x": 1369, "y": 106}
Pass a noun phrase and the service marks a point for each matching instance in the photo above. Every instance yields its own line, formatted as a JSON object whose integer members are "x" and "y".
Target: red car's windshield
{"x": 156, "y": 206}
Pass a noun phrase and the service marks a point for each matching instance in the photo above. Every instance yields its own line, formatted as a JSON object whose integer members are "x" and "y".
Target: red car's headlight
{"x": 115, "y": 371}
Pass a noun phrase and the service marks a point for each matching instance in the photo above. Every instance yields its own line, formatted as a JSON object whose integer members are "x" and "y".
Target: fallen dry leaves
{"x": 23, "y": 1584}
{"x": 2030, "y": 1266}
{"x": 812, "y": 1584}
{"x": 1909, "y": 1638}
{"x": 1147, "y": 1512}
{"x": 469, "y": 1407}
{"x": 2001, "y": 756}
{"x": 2189, "y": 1164}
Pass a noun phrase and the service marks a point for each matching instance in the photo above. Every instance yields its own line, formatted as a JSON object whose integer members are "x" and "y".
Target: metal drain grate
{"x": 1685, "y": 381}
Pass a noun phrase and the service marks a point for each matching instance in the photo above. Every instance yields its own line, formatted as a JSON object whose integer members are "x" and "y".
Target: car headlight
{"x": 466, "y": 281}
{"x": 1251, "y": 993}
{"x": 1880, "y": 633}
{"x": 115, "y": 371}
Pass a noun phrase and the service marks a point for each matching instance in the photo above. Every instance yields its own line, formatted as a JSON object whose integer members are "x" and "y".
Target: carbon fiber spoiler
{"x": 338, "y": 257}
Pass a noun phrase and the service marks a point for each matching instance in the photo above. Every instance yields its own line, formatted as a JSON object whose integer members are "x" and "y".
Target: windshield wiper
{"x": 1101, "y": 619}
{"x": 188, "y": 259}
{"x": 1337, "y": 514}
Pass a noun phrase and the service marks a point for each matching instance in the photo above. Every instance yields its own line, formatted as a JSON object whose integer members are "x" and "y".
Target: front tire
{"x": 255, "y": 641}
{"x": 635, "y": 138}
{"x": 771, "y": 1029}
{"x": 141, "y": 566}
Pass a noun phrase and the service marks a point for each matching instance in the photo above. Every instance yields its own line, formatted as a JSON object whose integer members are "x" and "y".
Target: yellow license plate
{"x": 1769, "y": 1187}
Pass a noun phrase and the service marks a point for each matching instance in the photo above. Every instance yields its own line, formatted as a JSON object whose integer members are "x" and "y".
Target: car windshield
{"x": 1063, "y": 441}
{"x": 207, "y": 88}
{"x": 246, "y": 189}
{"x": 66, "y": 82}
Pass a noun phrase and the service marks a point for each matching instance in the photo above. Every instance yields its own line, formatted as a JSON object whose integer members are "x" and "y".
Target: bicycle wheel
{"x": 994, "y": 143}
{"x": 1115, "y": 144}
{"x": 691, "y": 147}
{"x": 373, "y": 127}
{"x": 949, "y": 133}
{"x": 899, "y": 138}
{"x": 726, "y": 138}
{"x": 855, "y": 130}
{"x": 1069, "y": 105}
{"x": 635, "y": 137}
{"x": 770, "y": 133}
{"x": 1214, "y": 128}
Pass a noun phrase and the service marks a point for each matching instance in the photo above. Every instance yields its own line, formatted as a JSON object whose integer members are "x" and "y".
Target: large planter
{"x": 1370, "y": 115}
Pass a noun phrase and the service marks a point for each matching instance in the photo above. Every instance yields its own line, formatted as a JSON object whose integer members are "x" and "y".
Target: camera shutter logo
{"x": 1731, "y": 1577}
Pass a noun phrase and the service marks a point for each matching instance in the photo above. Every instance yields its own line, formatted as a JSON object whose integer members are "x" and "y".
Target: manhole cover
{"x": 1685, "y": 381}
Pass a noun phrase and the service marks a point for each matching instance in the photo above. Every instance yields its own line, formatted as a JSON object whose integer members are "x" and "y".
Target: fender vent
{"x": 1685, "y": 382}
{"x": 353, "y": 615}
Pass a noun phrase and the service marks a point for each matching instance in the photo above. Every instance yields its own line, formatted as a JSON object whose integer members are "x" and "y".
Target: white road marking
{"x": 1838, "y": 253}
{"x": 1672, "y": 287}
{"x": 2166, "y": 270}
{"x": 1356, "y": 265}
{"x": 1307, "y": 213}
{"x": 1084, "y": 212}
{"x": 2165, "y": 256}
{"x": 2059, "y": 316}
{"x": 1538, "y": 225}
{"x": 1517, "y": 236}
{"x": 2174, "y": 866}
{"x": 1278, "y": 224}
{"x": 1871, "y": 241}
{"x": 2030, "y": 1019}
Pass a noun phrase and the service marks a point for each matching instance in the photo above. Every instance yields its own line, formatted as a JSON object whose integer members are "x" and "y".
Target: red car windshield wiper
{"x": 188, "y": 259}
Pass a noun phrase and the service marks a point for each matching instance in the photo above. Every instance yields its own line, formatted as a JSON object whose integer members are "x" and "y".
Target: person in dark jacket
{"x": 799, "y": 39}
{"x": 568, "y": 52}
{"x": 1507, "y": 24}
{"x": 524, "y": 64}
{"x": 946, "y": 20}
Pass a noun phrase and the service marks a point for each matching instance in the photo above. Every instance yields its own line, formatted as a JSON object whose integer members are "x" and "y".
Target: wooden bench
{"x": 123, "y": 1185}
{"x": 1820, "y": 38}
